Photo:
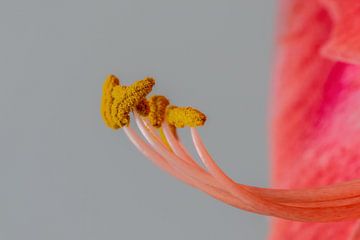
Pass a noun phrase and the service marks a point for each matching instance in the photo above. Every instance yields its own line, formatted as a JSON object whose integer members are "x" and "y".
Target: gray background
{"x": 64, "y": 175}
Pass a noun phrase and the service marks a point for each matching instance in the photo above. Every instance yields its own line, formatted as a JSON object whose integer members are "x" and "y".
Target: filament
{"x": 247, "y": 197}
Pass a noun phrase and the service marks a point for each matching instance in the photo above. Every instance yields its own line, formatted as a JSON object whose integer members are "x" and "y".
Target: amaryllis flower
{"x": 315, "y": 127}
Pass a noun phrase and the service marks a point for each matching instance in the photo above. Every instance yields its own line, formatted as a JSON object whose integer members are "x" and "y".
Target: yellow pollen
{"x": 185, "y": 116}
{"x": 107, "y": 100}
{"x": 118, "y": 101}
{"x": 143, "y": 108}
{"x": 157, "y": 106}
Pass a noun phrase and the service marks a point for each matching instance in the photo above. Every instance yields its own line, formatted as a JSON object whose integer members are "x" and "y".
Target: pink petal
{"x": 344, "y": 42}
{"x": 315, "y": 122}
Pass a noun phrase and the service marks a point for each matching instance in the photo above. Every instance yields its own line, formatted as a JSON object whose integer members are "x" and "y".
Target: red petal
{"x": 344, "y": 42}
{"x": 315, "y": 122}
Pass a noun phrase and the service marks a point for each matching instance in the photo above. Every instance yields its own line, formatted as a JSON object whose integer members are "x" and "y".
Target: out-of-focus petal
{"x": 299, "y": 77}
{"x": 344, "y": 41}
{"x": 315, "y": 118}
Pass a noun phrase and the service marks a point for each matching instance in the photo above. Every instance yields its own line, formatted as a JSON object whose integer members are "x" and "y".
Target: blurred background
{"x": 64, "y": 175}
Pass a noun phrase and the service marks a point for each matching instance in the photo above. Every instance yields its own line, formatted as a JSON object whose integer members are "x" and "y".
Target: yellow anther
{"x": 143, "y": 108}
{"x": 107, "y": 100}
{"x": 118, "y": 101}
{"x": 185, "y": 116}
{"x": 157, "y": 106}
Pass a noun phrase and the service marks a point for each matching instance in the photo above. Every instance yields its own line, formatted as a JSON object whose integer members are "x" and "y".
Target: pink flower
{"x": 315, "y": 124}
{"x": 315, "y": 127}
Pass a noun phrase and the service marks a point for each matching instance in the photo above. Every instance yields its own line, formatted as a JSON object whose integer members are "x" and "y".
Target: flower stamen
{"x": 185, "y": 116}
{"x": 330, "y": 203}
{"x": 118, "y": 101}
{"x": 158, "y": 105}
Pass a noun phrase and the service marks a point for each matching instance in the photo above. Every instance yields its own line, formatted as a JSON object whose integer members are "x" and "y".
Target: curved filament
{"x": 331, "y": 203}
